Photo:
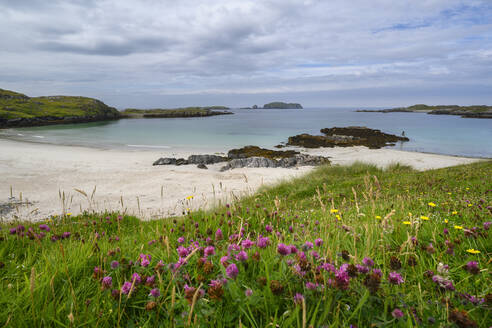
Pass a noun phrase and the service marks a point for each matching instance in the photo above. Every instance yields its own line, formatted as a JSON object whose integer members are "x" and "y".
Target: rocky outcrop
{"x": 476, "y": 111}
{"x": 255, "y": 151}
{"x": 287, "y": 162}
{"x": 282, "y": 105}
{"x": 346, "y": 137}
{"x": 249, "y": 156}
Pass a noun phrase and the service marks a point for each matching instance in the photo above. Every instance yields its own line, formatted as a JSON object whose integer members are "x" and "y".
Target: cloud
{"x": 169, "y": 49}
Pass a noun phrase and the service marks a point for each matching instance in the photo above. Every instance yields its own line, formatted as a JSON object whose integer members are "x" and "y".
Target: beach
{"x": 54, "y": 180}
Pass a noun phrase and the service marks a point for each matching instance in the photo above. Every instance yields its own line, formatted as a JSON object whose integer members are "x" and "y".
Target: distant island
{"x": 176, "y": 112}
{"x": 19, "y": 110}
{"x": 479, "y": 111}
{"x": 277, "y": 105}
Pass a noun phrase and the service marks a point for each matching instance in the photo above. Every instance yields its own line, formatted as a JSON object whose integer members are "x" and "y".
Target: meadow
{"x": 351, "y": 246}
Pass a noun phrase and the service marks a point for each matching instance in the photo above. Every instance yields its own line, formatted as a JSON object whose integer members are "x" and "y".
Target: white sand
{"x": 43, "y": 172}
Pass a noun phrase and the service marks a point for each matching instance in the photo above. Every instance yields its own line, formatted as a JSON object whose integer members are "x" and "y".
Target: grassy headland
{"x": 177, "y": 112}
{"x": 479, "y": 111}
{"x": 20, "y": 110}
{"x": 341, "y": 246}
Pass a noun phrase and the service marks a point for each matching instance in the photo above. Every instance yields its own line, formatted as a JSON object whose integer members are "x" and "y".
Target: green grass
{"x": 471, "y": 109}
{"x": 15, "y": 105}
{"x": 358, "y": 211}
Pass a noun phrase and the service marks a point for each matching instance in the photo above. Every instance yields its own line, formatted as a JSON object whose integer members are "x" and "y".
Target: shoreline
{"x": 125, "y": 180}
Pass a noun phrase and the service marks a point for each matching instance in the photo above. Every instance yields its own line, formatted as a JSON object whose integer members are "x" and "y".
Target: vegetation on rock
{"x": 282, "y": 105}
{"x": 178, "y": 112}
{"x": 477, "y": 111}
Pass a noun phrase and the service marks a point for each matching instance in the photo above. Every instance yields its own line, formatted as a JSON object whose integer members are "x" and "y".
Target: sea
{"x": 440, "y": 134}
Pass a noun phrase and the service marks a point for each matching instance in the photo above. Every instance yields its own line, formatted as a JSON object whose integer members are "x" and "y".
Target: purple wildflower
{"x": 107, "y": 282}
{"x": 209, "y": 250}
{"x": 247, "y": 244}
{"x": 308, "y": 245}
{"x": 232, "y": 271}
{"x": 283, "y": 249}
{"x": 44, "y": 227}
{"x": 126, "y": 288}
{"x": 362, "y": 268}
{"x": 397, "y": 313}
{"x": 218, "y": 234}
{"x": 342, "y": 278}
{"x": 182, "y": 251}
{"x": 224, "y": 259}
{"x": 155, "y": 293}
{"x": 472, "y": 267}
{"x": 181, "y": 240}
{"x": 242, "y": 256}
{"x": 114, "y": 264}
{"x": 150, "y": 280}
{"x": 268, "y": 228}
{"x": 263, "y": 242}
{"x": 311, "y": 285}
{"x": 367, "y": 261}
{"x": 248, "y": 292}
{"x": 395, "y": 278}
{"x": 486, "y": 225}
{"x": 298, "y": 298}
{"x": 66, "y": 235}
{"x": 318, "y": 242}
{"x": 136, "y": 278}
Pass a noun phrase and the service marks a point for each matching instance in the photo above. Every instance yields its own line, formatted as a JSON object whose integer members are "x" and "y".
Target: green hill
{"x": 17, "y": 109}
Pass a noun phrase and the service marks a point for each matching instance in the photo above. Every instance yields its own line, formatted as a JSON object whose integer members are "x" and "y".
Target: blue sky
{"x": 153, "y": 53}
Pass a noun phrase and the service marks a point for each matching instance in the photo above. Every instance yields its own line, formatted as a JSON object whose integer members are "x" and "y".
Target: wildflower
{"x": 445, "y": 231}
{"x": 293, "y": 249}
{"x": 268, "y": 228}
{"x": 276, "y": 287}
{"x": 311, "y": 286}
{"x": 218, "y": 234}
{"x": 395, "y": 278}
{"x": 182, "y": 251}
{"x": 155, "y": 292}
{"x": 308, "y": 245}
{"x": 152, "y": 242}
{"x": 224, "y": 259}
{"x": 247, "y": 244}
{"x": 431, "y": 204}
{"x": 457, "y": 227}
{"x": 486, "y": 225}
{"x": 367, "y": 261}
{"x": 425, "y": 218}
{"x": 378, "y": 217}
{"x": 333, "y": 210}
{"x": 342, "y": 279}
{"x": 315, "y": 254}
{"x": 189, "y": 197}
{"x": 454, "y": 212}
{"x": 150, "y": 280}
{"x": 136, "y": 278}
{"x": 283, "y": 249}
{"x": 472, "y": 267}
{"x": 114, "y": 264}
{"x": 373, "y": 281}
{"x": 473, "y": 251}
{"x": 215, "y": 290}
{"x": 107, "y": 282}
{"x": 407, "y": 222}
{"x": 242, "y": 256}
{"x": 362, "y": 268}
{"x": 443, "y": 282}
{"x": 318, "y": 242}
{"x": 395, "y": 263}
{"x": 126, "y": 288}
{"x": 145, "y": 259}
{"x": 298, "y": 298}
{"x": 44, "y": 227}
{"x": 232, "y": 271}
{"x": 181, "y": 240}
{"x": 209, "y": 250}
{"x": 66, "y": 235}
{"x": 397, "y": 313}
{"x": 248, "y": 292}
{"x": 338, "y": 217}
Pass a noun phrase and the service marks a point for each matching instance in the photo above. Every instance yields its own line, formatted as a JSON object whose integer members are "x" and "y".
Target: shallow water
{"x": 443, "y": 134}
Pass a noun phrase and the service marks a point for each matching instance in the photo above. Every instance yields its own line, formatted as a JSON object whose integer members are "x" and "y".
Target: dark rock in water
{"x": 282, "y": 105}
{"x": 206, "y": 159}
{"x": 165, "y": 161}
{"x": 202, "y": 166}
{"x": 181, "y": 161}
{"x": 346, "y": 137}
{"x": 297, "y": 160}
{"x": 254, "y": 151}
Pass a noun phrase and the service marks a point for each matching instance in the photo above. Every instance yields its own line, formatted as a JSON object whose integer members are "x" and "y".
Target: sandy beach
{"x": 55, "y": 179}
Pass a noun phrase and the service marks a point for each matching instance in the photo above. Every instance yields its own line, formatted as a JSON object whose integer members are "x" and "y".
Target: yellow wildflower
{"x": 407, "y": 222}
{"x": 467, "y": 188}
{"x": 189, "y": 197}
{"x": 68, "y": 214}
{"x": 333, "y": 210}
{"x": 446, "y": 220}
{"x": 457, "y": 227}
{"x": 378, "y": 217}
{"x": 470, "y": 205}
{"x": 431, "y": 204}
{"x": 454, "y": 212}
{"x": 449, "y": 193}
{"x": 425, "y": 218}
{"x": 338, "y": 217}
{"x": 409, "y": 213}
{"x": 473, "y": 251}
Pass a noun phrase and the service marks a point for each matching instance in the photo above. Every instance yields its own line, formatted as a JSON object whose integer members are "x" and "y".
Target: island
{"x": 18, "y": 110}
{"x": 476, "y": 111}
{"x": 175, "y": 113}
{"x": 282, "y": 105}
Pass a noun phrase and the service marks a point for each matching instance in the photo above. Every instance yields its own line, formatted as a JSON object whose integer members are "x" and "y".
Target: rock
{"x": 254, "y": 151}
{"x": 297, "y": 160}
{"x": 202, "y": 166}
{"x": 249, "y": 162}
{"x": 165, "y": 161}
{"x": 206, "y": 159}
{"x": 346, "y": 137}
{"x": 181, "y": 161}
{"x": 255, "y": 107}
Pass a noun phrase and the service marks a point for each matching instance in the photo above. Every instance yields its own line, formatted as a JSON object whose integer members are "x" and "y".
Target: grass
{"x": 177, "y": 112}
{"x": 451, "y": 108}
{"x": 408, "y": 223}
{"x": 15, "y": 105}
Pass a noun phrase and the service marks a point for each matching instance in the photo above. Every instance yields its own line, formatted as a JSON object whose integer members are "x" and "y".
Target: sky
{"x": 334, "y": 53}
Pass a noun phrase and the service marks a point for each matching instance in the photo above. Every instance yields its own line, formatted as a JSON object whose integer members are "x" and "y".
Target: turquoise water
{"x": 443, "y": 134}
